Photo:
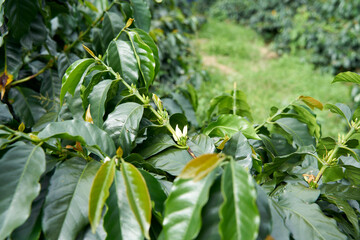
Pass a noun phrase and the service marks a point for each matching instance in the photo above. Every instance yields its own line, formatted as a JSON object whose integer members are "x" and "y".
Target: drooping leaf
{"x": 73, "y": 75}
{"x": 262, "y": 203}
{"x": 228, "y": 124}
{"x": 122, "y": 59}
{"x": 239, "y": 206}
{"x": 50, "y": 88}
{"x": 142, "y": 14}
{"x": 26, "y": 105}
{"x": 20, "y": 171}
{"x": 120, "y": 221}
{"x": 341, "y": 191}
{"x": 144, "y": 57}
{"x": 347, "y": 77}
{"x": 123, "y": 124}
{"x": 81, "y": 131}
{"x": 100, "y": 192}
{"x": 97, "y": 100}
{"x": 306, "y": 117}
{"x": 182, "y": 217}
{"x": 138, "y": 196}
{"x": 332, "y": 174}
{"x": 5, "y": 115}
{"x": 67, "y": 202}
{"x": 186, "y": 106}
{"x": 352, "y": 174}
{"x": 200, "y": 167}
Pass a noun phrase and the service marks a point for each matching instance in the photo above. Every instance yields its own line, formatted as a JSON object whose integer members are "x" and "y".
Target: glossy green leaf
{"x": 150, "y": 42}
{"x": 332, "y": 174}
{"x": 309, "y": 119}
{"x": 20, "y": 15}
{"x": 123, "y": 124}
{"x": 142, "y": 14}
{"x": 352, "y": 174}
{"x": 144, "y": 57}
{"x": 121, "y": 57}
{"x": 73, "y": 75}
{"x": 97, "y": 100}
{"x": 20, "y": 171}
{"x": 347, "y": 77}
{"x": 262, "y": 203}
{"x": 81, "y": 131}
{"x": 200, "y": 167}
{"x": 67, "y": 202}
{"x": 239, "y": 206}
{"x": 342, "y": 191}
{"x": 50, "y": 87}
{"x": 201, "y": 144}
{"x": 138, "y": 196}
{"x": 340, "y": 109}
{"x": 182, "y": 217}
{"x": 155, "y": 143}
{"x": 26, "y": 105}
{"x": 100, "y": 192}
{"x": 186, "y": 107}
{"x": 119, "y": 220}
{"x": 111, "y": 26}
{"x": 239, "y": 148}
{"x": 228, "y": 124}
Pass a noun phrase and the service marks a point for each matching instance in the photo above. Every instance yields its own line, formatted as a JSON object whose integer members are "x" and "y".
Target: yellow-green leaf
{"x": 199, "y": 167}
{"x": 138, "y": 196}
{"x": 311, "y": 102}
{"x": 100, "y": 192}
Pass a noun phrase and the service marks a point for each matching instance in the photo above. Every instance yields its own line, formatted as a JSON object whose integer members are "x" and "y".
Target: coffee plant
{"x": 99, "y": 155}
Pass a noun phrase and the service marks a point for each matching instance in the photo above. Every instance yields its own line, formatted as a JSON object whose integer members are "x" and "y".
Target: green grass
{"x": 233, "y": 53}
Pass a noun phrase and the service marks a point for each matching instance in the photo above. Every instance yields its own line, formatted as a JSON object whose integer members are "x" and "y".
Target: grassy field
{"x": 233, "y": 53}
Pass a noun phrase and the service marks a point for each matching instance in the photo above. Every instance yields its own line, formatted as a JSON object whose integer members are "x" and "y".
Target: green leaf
{"x": 81, "y": 131}
{"x": 341, "y": 191}
{"x": 50, "y": 87}
{"x": 5, "y": 115}
{"x": 26, "y": 105}
{"x": 201, "y": 144}
{"x": 100, "y": 192}
{"x": 20, "y": 15}
{"x": 309, "y": 119}
{"x": 210, "y": 213}
{"x": 144, "y": 57}
{"x": 142, "y": 14}
{"x": 67, "y": 203}
{"x": 186, "y": 106}
{"x": 154, "y": 144}
{"x": 200, "y": 167}
{"x": 182, "y": 217}
{"x": 225, "y": 104}
{"x": 332, "y": 174}
{"x": 239, "y": 206}
{"x": 122, "y": 59}
{"x": 228, "y": 124}
{"x": 123, "y": 124}
{"x": 304, "y": 219}
{"x": 352, "y": 174}
{"x": 172, "y": 160}
{"x": 344, "y": 206}
{"x": 73, "y": 75}
{"x": 97, "y": 100}
{"x": 239, "y": 148}
{"x": 111, "y": 26}
{"x": 262, "y": 203}
{"x": 156, "y": 192}
{"x": 20, "y": 171}
{"x": 119, "y": 221}
{"x": 150, "y": 42}
{"x": 347, "y": 77}
{"x": 340, "y": 109}
{"x": 138, "y": 196}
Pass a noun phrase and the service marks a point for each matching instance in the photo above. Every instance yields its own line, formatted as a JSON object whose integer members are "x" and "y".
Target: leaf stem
{"x": 48, "y": 65}
{"x": 81, "y": 35}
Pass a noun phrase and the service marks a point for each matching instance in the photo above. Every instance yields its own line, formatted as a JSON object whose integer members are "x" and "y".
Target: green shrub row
{"x": 328, "y": 29}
